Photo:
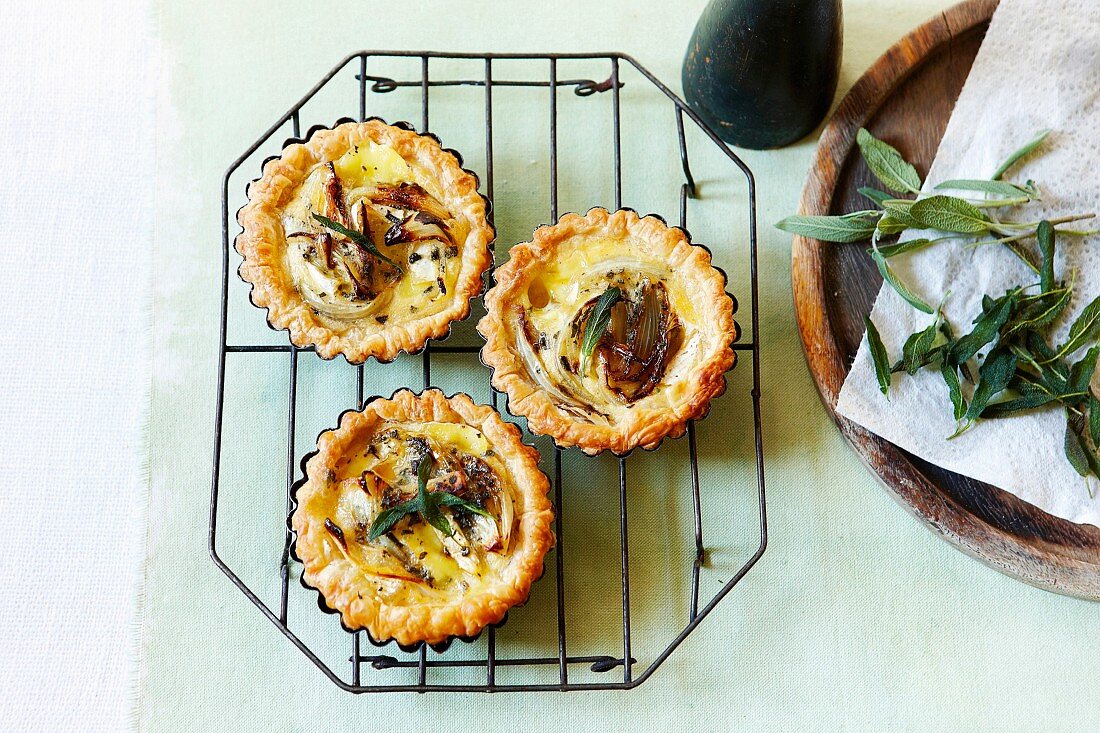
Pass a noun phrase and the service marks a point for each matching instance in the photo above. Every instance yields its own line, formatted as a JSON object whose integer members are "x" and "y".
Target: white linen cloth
{"x": 76, "y": 125}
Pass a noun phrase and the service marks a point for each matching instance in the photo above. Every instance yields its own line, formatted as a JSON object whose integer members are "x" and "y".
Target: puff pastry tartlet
{"x": 366, "y": 240}
{"x": 415, "y": 582}
{"x": 657, "y": 363}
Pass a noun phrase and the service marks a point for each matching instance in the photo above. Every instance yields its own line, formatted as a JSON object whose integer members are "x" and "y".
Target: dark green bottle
{"x": 762, "y": 73}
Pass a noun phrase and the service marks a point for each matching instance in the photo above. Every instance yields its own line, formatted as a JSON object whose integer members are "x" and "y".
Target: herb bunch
{"x": 1007, "y": 354}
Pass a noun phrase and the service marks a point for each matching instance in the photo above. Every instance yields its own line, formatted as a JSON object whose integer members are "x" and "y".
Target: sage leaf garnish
{"x": 597, "y": 323}
{"x": 879, "y": 357}
{"x": 358, "y": 237}
{"x": 1045, "y": 234}
{"x": 446, "y": 499}
{"x": 385, "y": 520}
{"x": 426, "y": 504}
{"x": 949, "y": 214}
{"x": 887, "y": 164}
{"x": 1011, "y": 160}
{"x": 829, "y": 228}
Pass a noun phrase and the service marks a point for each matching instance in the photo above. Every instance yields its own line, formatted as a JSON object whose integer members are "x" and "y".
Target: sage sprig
{"x": 597, "y": 323}
{"x": 426, "y": 504}
{"x": 959, "y": 217}
{"x": 1017, "y": 368}
{"x": 358, "y": 237}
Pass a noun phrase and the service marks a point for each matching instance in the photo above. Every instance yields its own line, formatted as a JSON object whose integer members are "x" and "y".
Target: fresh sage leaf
{"x": 874, "y": 194}
{"x": 1075, "y": 452}
{"x": 1020, "y": 153}
{"x": 949, "y": 214}
{"x": 1045, "y": 235}
{"x": 895, "y": 282}
{"x": 1038, "y": 311}
{"x": 829, "y": 228}
{"x": 911, "y": 245}
{"x": 996, "y": 372}
{"x": 1086, "y": 328}
{"x": 954, "y": 389}
{"x": 887, "y": 164}
{"x": 597, "y": 323}
{"x": 1053, "y": 371}
{"x": 1094, "y": 419}
{"x": 1031, "y": 396}
{"x": 997, "y": 188}
{"x": 899, "y": 209}
{"x": 1080, "y": 375}
{"x": 994, "y": 315}
{"x": 879, "y": 357}
{"x": 358, "y": 237}
{"x": 916, "y": 348}
{"x": 889, "y": 224}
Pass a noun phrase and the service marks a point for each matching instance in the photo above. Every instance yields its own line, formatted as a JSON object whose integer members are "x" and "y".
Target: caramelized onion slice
{"x": 412, "y": 197}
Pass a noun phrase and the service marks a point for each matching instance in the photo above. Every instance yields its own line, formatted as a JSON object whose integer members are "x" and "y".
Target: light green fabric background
{"x": 857, "y": 618}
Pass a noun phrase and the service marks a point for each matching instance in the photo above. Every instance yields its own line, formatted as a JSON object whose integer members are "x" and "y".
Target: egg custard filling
{"x": 413, "y": 558}
{"x": 609, "y": 331}
{"x": 366, "y": 240}
{"x": 406, "y": 259}
{"x": 422, "y": 517}
{"x": 628, "y": 361}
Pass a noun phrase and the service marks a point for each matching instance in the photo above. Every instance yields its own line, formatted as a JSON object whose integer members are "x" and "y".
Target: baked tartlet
{"x": 422, "y": 575}
{"x": 657, "y": 363}
{"x": 397, "y": 256}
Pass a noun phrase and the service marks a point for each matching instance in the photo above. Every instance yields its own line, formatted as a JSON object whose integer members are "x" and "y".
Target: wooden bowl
{"x": 907, "y": 98}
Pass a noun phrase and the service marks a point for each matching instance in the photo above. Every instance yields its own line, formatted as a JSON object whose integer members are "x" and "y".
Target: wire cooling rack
{"x": 424, "y": 661}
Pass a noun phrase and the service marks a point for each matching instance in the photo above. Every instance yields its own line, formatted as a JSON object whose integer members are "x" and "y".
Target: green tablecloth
{"x": 856, "y": 618}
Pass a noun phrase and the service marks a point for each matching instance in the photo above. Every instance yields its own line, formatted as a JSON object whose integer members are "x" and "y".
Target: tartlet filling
{"x": 402, "y": 256}
{"x": 414, "y": 556}
{"x": 632, "y": 355}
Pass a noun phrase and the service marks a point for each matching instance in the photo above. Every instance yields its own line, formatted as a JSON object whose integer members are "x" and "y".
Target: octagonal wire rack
{"x": 424, "y": 660}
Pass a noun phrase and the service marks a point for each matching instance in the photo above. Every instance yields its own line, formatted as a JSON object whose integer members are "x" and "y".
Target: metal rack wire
{"x": 423, "y": 662}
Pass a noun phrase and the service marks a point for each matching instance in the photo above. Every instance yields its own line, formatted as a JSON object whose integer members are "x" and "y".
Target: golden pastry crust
{"x": 696, "y": 291}
{"x": 409, "y": 612}
{"x": 264, "y": 244}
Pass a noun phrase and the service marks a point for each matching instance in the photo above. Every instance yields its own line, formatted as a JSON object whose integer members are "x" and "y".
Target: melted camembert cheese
{"x": 372, "y": 190}
{"x": 414, "y": 561}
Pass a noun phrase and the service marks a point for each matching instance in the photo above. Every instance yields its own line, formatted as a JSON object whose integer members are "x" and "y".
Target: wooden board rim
{"x": 1034, "y": 562}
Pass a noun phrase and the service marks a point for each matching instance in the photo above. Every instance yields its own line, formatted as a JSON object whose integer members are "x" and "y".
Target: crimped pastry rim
{"x": 647, "y": 428}
{"x": 272, "y": 290}
{"x": 475, "y": 612}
